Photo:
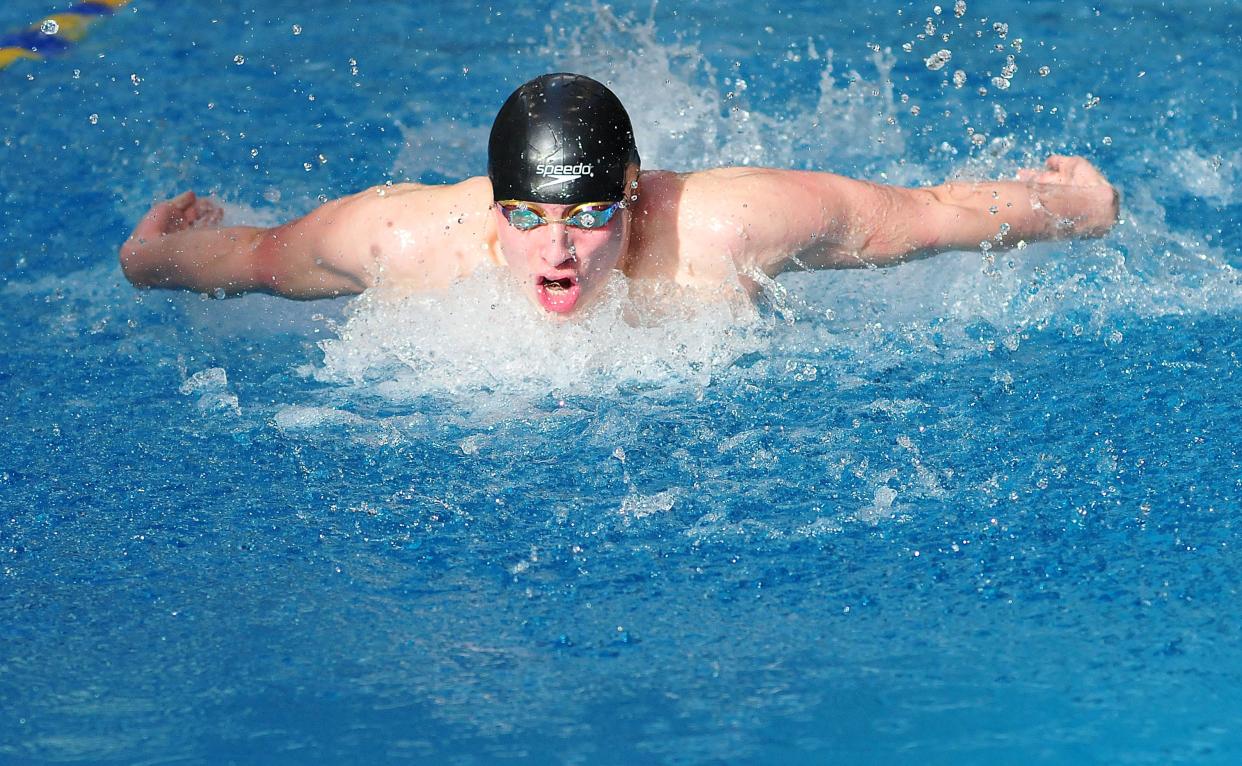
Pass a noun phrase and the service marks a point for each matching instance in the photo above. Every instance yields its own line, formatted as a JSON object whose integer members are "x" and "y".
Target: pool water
{"x": 975, "y": 509}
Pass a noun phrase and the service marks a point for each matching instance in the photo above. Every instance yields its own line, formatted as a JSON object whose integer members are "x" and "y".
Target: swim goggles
{"x": 525, "y": 216}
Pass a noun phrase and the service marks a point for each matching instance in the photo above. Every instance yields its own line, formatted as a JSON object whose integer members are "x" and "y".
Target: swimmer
{"x": 565, "y": 204}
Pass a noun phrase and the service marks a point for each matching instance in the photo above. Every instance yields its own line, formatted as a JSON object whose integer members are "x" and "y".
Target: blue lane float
{"x": 56, "y": 33}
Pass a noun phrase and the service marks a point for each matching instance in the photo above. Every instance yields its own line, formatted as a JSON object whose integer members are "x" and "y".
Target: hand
{"x": 141, "y": 257}
{"x": 1075, "y": 191}
{"x": 177, "y": 214}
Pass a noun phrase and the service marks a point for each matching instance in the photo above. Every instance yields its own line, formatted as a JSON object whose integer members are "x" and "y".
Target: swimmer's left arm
{"x": 776, "y": 220}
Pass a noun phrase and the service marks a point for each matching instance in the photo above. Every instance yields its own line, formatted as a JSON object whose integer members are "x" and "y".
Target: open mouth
{"x": 557, "y": 295}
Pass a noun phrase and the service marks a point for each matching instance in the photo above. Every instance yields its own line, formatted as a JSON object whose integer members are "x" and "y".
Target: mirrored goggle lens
{"x": 592, "y": 215}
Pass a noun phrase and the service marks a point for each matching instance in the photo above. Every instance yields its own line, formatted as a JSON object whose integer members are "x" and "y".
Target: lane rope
{"x": 56, "y": 33}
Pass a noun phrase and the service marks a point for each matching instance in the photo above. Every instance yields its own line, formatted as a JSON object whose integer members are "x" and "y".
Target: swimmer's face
{"x": 559, "y": 266}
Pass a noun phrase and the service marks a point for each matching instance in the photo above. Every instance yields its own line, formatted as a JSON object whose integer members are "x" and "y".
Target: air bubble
{"x": 1091, "y": 102}
{"x": 907, "y": 47}
{"x": 307, "y": 166}
{"x": 135, "y": 79}
{"x": 1001, "y": 28}
{"x": 297, "y": 29}
{"x": 930, "y": 28}
{"x": 959, "y": 8}
{"x": 959, "y": 78}
{"x": 239, "y": 59}
{"x": 1044, "y": 71}
{"x": 936, "y": 10}
{"x": 1000, "y": 83}
{"x": 94, "y": 119}
{"x": 49, "y": 27}
{"x": 1108, "y": 140}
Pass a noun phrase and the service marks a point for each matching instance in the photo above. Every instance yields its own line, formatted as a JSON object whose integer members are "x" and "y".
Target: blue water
{"x": 976, "y": 509}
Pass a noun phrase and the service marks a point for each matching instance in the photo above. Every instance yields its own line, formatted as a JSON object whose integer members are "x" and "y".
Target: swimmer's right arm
{"x": 179, "y": 244}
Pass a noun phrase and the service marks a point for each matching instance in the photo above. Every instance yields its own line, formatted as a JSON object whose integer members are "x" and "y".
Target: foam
{"x": 484, "y": 336}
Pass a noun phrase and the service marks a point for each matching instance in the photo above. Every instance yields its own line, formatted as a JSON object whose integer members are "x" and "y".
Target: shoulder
{"x": 409, "y": 236}
{"x": 678, "y": 234}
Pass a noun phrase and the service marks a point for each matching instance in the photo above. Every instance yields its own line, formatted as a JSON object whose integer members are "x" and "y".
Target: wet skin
{"x": 714, "y": 230}
{"x": 562, "y": 267}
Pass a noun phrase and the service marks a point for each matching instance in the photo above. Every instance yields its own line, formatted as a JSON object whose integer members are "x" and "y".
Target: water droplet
{"x": 297, "y": 29}
{"x": 49, "y": 27}
{"x": 239, "y": 59}
{"x": 94, "y": 119}
{"x": 938, "y": 59}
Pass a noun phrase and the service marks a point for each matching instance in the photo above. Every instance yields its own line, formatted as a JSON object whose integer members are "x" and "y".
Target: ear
{"x": 632, "y": 172}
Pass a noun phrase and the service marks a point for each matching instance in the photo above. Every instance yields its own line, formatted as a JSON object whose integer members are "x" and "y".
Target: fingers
{"x": 208, "y": 213}
{"x": 1057, "y": 162}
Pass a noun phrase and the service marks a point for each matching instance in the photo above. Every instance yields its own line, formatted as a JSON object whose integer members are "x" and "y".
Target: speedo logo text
{"x": 573, "y": 171}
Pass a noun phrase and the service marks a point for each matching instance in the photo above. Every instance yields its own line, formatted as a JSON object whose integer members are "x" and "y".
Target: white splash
{"x": 483, "y": 335}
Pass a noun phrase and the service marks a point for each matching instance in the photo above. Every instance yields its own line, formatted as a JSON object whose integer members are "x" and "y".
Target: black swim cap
{"x": 561, "y": 138}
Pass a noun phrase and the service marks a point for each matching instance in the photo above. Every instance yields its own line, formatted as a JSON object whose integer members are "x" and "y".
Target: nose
{"x": 558, "y": 252}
